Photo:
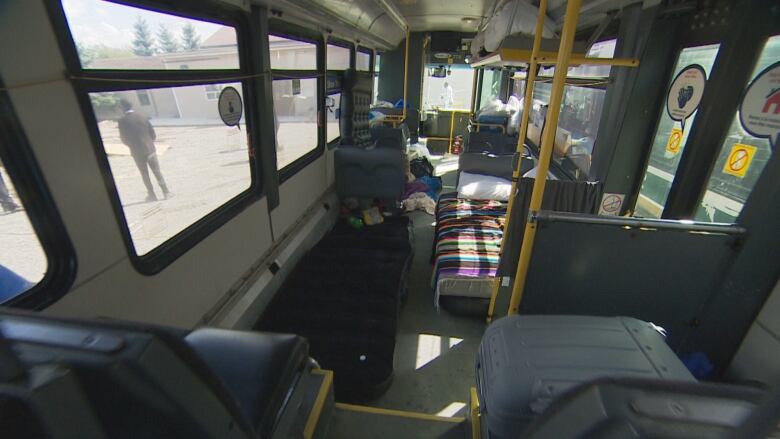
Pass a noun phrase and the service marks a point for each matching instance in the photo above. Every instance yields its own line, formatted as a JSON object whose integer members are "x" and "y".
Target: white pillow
{"x": 483, "y": 187}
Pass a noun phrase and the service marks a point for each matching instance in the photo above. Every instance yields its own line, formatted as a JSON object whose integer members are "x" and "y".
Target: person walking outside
{"x": 448, "y": 96}
{"x": 137, "y": 133}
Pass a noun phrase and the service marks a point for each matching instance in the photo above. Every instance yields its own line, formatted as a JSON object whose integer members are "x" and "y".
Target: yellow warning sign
{"x": 739, "y": 160}
{"x": 675, "y": 141}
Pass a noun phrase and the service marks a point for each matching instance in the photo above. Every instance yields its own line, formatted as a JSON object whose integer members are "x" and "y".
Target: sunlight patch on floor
{"x": 452, "y": 409}
{"x": 431, "y": 347}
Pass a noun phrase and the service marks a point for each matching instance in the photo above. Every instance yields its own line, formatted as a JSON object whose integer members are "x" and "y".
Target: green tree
{"x": 143, "y": 44}
{"x": 166, "y": 41}
{"x": 190, "y": 40}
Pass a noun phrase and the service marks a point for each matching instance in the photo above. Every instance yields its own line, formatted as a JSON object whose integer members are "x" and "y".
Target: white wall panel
{"x": 297, "y": 194}
{"x": 186, "y": 290}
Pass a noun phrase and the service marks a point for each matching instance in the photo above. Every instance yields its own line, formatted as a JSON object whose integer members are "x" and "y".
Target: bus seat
{"x": 259, "y": 369}
{"x": 370, "y": 173}
{"x": 389, "y": 137}
{"x": 638, "y": 408}
{"x": 362, "y": 169}
{"x": 143, "y": 381}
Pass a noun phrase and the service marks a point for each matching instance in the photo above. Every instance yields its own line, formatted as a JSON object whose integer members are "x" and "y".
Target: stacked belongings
{"x": 467, "y": 246}
{"x": 344, "y": 297}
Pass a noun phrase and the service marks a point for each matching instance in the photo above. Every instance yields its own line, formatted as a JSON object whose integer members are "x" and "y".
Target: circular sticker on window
{"x": 230, "y": 106}
{"x": 685, "y": 93}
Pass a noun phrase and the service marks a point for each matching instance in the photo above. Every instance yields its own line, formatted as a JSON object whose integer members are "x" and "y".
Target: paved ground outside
{"x": 203, "y": 165}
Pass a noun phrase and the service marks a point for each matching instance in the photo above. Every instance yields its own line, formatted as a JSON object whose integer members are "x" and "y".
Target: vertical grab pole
{"x": 530, "y": 79}
{"x": 548, "y": 141}
{"x": 406, "y": 75}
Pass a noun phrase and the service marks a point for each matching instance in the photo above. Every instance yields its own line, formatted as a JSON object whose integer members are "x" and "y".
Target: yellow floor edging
{"x": 399, "y": 413}
{"x": 319, "y": 403}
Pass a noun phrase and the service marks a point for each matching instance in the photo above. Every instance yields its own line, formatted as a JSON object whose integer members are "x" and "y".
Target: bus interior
{"x": 389, "y": 218}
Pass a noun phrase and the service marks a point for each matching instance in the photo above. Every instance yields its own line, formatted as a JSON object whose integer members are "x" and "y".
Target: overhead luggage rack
{"x": 517, "y": 52}
{"x": 508, "y": 57}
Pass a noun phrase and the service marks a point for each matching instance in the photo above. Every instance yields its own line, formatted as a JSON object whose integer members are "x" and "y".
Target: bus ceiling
{"x": 382, "y": 24}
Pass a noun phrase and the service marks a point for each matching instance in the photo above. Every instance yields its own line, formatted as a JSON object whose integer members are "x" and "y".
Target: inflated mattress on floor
{"x": 344, "y": 297}
{"x": 467, "y": 246}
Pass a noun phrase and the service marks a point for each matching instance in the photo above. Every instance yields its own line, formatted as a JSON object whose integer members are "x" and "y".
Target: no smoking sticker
{"x": 739, "y": 159}
{"x": 675, "y": 141}
{"x": 611, "y": 204}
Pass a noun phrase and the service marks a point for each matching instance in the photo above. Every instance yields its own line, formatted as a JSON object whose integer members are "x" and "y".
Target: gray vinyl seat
{"x": 128, "y": 380}
{"x": 365, "y": 167}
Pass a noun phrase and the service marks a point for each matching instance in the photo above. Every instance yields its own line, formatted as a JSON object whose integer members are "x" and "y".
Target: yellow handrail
{"x": 406, "y": 73}
{"x": 527, "y": 102}
{"x": 548, "y": 140}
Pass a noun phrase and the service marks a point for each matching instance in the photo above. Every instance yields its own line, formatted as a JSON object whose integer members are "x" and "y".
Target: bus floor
{"x": 358, "y": 422}
{"x": 435, "y": 350}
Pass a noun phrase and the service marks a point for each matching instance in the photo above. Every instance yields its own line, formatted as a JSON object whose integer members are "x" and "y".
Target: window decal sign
{"x": 230, "y": 106}
{"x": 759, "y": 112}
{"x": 738, "y": 161}
{"x": 675, "y": 141}
{"x": 685, "y": 93}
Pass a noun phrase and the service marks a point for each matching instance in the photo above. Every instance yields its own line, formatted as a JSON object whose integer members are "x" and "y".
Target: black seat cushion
{"x": 257, "y": 368}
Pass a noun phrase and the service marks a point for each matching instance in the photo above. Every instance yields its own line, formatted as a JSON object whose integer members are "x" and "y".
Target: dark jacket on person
{"x": 137, "y": 133}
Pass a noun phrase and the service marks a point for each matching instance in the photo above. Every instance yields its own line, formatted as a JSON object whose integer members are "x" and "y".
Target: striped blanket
{"x": 468, "y": 239}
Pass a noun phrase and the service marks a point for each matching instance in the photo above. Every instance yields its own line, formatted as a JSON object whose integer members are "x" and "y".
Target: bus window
{"x": 333, "y": 109}
{"x": 289, "y": 54}
{"x": 363, "y": 61}
{"x": 377, "y": 62}
{"x": 172, "y": 157}
{"x": 115, "y": 36}
{"x": 727, "y": 191}
{"x": 22, "y": 260}
{"x": 451, "y": 92}
{"x": 295, "y": 104}
{"x": 580, "y": 115}
{"x": 663, "y": 164}
{"x": 491, "y": 87}
{"x": 338, "y": 57}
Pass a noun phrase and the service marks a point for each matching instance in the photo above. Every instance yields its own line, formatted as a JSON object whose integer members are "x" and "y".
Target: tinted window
{"x": 289, "y": 54}
{"x": 172, "y": 162}
{"x": 22, "y": 259}
{"x": 338, "y": 57}
{"x": 333, "y": 109}
{"x": 727, "y": 190}
{"x": 295, "y": 105}
{"x": 363, "y": 61}
{"x": 115, "y": 36}
{"x": 663, "y": 164}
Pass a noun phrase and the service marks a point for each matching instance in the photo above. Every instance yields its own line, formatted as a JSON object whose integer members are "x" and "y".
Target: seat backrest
{"x": 389, "y": 137}
{"x": 559, "y": 196}
{"x": 639, "y": 408}
{"x": 355, "y": 106}
{"x": 126, "y": 380}
{"x": 370, "y": 173}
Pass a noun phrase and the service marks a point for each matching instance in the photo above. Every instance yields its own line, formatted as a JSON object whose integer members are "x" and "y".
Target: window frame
{"x": 290, "y": 31}
{"x": 85, "y": 81}
{"x": 41, "y": 210}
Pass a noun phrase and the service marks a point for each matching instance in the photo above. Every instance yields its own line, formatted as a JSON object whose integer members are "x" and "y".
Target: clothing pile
{"x": 422, "y": 187}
